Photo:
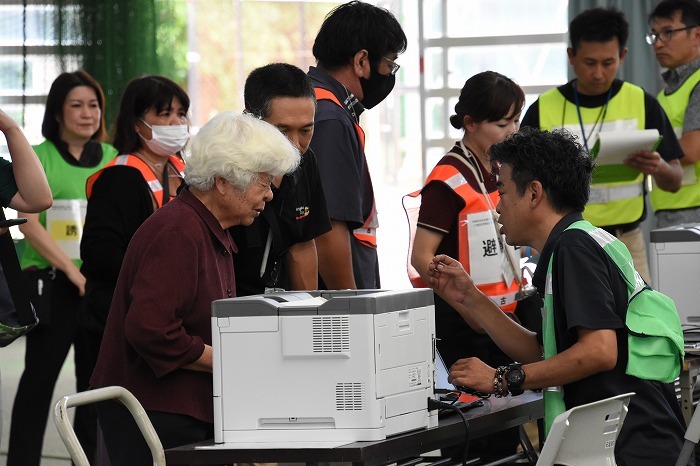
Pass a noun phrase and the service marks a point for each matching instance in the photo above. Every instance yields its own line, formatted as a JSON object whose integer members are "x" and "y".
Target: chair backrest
{"x": 65, "y": 430}
{"x": 692, "y": 437}
{"x": 586, "y": 434}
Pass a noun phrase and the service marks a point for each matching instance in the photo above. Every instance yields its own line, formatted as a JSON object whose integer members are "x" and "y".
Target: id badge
{"x": 64, "y": 223}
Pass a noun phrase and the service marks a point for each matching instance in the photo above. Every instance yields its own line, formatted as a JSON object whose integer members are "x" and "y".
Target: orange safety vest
{"x": 501, "y": 293}
{"x": 367, "y": 233}
{"x": 151, "y": 179}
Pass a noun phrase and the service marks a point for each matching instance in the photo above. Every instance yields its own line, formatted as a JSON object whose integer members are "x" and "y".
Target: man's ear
{"x": 535, "y": 193}
{"x": 623, "y": 54}
{"x": 360, "y": 63}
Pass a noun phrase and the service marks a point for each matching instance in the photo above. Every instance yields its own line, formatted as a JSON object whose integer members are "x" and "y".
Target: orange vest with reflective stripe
{"x": 367, "y": 233}
{"x": 151, "y": 179}
{"x": 474, "y": 203}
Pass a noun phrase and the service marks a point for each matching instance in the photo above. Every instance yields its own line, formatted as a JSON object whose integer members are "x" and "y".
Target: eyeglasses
{"x": 265, "y": 180}
{"x": 665, "y": 35}
{"x": 394, "y": 66}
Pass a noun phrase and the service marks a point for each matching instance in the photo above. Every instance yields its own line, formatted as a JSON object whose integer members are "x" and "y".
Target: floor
{"x": 54, "y": 453}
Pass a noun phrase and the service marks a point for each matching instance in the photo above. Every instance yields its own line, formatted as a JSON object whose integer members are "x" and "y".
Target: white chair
{"x": 65, "y": 430}
{"x": 586, "y": 434}
{"x": 692, "y": 436}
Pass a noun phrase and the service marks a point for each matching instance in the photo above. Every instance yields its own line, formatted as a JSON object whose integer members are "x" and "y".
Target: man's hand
{"x": 473, "y": 373}
{"x": 667, "y": 175}
{"x": 448, "y": 277}
{"x": 646, "y": 162}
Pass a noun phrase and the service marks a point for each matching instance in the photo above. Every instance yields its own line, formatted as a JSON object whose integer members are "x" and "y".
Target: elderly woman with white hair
{"x": 157, "y": 341}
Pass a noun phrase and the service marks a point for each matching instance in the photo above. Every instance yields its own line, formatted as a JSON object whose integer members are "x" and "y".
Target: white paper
{"x": 64, "y": 222}
{"x": 611, "y": 148}
{"x": 271, "y": 445}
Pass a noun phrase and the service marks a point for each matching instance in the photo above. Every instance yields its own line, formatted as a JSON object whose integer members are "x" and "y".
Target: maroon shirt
{"x": 177, "y": 263}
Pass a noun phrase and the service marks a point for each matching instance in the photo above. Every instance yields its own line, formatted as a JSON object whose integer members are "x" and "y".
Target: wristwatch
{"x": 515, "y": 376}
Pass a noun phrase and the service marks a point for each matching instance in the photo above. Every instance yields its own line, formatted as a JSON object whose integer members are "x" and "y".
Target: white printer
{"x": 674, "y": 265}
{"x": 335, "y": 366}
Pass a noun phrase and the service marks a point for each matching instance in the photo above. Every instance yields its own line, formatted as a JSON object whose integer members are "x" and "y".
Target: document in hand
{"x": 611, "y": 148}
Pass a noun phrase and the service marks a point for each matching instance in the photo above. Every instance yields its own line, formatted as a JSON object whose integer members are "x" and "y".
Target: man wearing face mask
{"x": 150, "y": 131}
{"x": 355, "y": 51}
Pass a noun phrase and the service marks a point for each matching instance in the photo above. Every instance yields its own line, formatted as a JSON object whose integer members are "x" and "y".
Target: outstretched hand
{"x": 448, "y": 277}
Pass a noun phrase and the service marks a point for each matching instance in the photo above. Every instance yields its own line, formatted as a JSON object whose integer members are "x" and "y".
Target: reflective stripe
{"x": 557, "y": 389}
{"x": 604, "y": 194}
{"x": 504, "y": 299}
{"x": 456, "y": 181}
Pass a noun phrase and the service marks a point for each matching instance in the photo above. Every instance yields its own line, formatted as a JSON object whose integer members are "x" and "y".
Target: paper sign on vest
{"x": 64, "y": 222}
{"x": 487, "y": 259}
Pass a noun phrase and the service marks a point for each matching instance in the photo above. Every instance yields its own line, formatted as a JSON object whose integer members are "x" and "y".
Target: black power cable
{"x": 435, "y": 404}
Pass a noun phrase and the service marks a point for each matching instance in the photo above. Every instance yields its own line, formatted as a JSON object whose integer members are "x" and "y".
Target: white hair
{"x": 237, "y": 147}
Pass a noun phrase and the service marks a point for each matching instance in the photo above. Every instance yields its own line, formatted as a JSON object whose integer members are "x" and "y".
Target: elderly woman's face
{"x": 244, "y": 207}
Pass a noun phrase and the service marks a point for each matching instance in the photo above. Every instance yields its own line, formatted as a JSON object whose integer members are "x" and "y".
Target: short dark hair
{"x": 599, "y": 25}
{"x": 354, "y": 26}
{"x": 53, "y": 113}
{"x": 271, "y": 81}
{"x": 689, "y": 10}
{"x": 140, "y": 95}
{"x": 555, "y": 159}
{"x": 487, "y": 96}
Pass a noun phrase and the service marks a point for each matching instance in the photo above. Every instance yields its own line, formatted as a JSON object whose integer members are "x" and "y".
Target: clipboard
{"x": 612, "y": 147}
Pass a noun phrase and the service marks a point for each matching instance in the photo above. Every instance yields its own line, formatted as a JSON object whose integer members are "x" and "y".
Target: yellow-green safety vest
{"x": 675, "y": 104}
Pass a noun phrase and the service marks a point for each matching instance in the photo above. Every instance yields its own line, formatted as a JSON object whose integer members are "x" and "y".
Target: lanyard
{"x": 602, "y": 113}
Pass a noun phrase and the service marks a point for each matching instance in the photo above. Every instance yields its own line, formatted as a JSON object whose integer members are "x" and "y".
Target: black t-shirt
{"x": 298, "y": 207}
{"x": 589, "y": 292}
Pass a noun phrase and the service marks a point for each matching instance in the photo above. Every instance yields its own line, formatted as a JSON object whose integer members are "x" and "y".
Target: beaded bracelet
{"x": 498, "y": 388}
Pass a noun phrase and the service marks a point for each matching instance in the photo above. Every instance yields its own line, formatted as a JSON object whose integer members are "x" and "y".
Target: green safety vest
{"x": 67, "y": 182}
{"x": 675, "y": 104}
{"x": 654, "y": 333}
{"x": 621, "y": 185}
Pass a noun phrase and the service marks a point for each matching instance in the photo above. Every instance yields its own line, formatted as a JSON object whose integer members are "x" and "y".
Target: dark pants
{"x": 46, "y": 349}
{"x": 127, "y": 446}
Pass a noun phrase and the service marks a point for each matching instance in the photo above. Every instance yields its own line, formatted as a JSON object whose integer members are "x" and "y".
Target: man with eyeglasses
{"x": 594, "y": 102}
{"x": 356, "y": 50}
{"x": 675, "y": 38}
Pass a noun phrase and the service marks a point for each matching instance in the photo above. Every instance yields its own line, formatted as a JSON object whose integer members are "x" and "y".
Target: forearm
{"x": 37, "y": 236}
{"x": 516, "y": 341}
{"x": 33, "y": 193}
{"x": 669, "y": 175}
{"x": 204, "y": 363}
{"x": 302, "y": 266}
{"x": 593, "y": 353}
{"x": 335, "y": 258}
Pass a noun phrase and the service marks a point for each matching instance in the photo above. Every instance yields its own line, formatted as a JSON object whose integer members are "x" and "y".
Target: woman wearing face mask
{"x": 73, "y": 126}
{"x": 150, "y": 131}
{"x": 455, "y": 217}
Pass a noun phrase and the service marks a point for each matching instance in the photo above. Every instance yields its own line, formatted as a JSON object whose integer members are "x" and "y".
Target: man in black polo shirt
{"x": 544, "y": 184}
{"x": 278, "y": 250}
{"x": 355, "y": 51}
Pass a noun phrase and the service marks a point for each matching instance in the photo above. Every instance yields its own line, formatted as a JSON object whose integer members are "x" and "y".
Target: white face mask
{"x": 166, "y": 139}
